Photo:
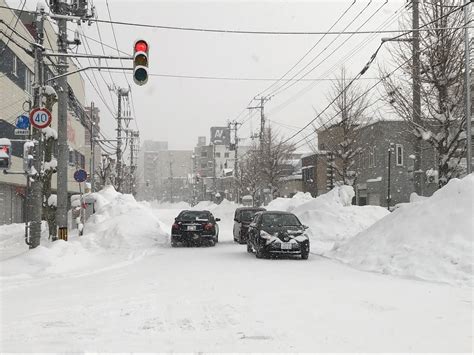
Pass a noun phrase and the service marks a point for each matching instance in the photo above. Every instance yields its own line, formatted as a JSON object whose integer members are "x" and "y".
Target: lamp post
{"x": 389, "y": 195}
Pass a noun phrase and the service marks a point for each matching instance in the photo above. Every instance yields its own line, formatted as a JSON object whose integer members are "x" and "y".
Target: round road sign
{"x": 40, "y": 117}
{"x": 80, "y": 175}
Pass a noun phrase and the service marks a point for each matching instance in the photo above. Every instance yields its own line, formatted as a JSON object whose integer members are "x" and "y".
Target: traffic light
{"x": 5, "y": 154}
{"x": 28, "y": 160}
{"x": 140, "y": 62}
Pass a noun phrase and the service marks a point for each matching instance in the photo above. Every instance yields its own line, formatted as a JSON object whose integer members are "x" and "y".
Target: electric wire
{"x": 121, "y": 63}
{"x": 341, "y": 62}
{"x": 283, "y": 88}
{"x": 310, "y": 50}
{"x": 14, "y": 27}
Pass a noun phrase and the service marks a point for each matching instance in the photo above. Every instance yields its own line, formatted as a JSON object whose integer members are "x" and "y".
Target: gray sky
{"x": 179, "y": 110}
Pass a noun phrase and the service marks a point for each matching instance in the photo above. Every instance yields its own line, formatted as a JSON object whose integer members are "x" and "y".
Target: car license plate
{"x": 191, "y": 228}
{"x": 285, "y": 246}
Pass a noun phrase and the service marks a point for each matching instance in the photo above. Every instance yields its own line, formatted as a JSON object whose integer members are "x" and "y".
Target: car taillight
{"x": 208, "y": 226}
{"x": 175, "y": 226}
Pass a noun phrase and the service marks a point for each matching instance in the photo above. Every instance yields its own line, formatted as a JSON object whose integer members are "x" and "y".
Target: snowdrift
{"x": 429, "y": 239}
{"x": 331, "y": 218}
{"x": 121, "y": 230}
{"x": 122, "y": 222}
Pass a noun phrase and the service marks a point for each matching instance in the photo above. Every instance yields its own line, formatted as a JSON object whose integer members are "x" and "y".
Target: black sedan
{"x": 195, "y": 228}
{"x": 277, "y": 233}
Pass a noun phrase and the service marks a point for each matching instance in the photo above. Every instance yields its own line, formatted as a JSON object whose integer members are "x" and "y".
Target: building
{"x": 16, "y": 79}
{"x": 375, "y": 142}
{"x": 167, "y": 173}
{"x": 213, "y": 166}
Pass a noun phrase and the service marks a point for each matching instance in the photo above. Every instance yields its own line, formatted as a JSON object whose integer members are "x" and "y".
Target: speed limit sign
{"x": 40, "y": 117}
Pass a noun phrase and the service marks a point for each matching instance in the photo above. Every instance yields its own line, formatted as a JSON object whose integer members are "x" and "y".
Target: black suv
{"x": 242, "y": 218}
{"x": 194, "y": 228}
{"x": 277, "y": 233}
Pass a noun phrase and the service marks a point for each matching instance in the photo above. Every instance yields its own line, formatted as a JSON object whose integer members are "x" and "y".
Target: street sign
{"x": 22, "y": 122}
{"x": 21, "y": 132}
{"x": 80, "y": 175}
{"x": 40, "y": 117}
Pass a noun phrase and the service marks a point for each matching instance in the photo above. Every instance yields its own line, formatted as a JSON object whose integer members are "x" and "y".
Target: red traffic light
{"x": 141, "y": 46}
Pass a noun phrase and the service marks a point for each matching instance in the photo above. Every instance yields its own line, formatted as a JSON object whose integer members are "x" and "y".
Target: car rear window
{"x": 247, "y": 215}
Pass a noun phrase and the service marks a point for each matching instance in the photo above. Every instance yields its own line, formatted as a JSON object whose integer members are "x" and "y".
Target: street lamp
{"x": 389, "y": 195}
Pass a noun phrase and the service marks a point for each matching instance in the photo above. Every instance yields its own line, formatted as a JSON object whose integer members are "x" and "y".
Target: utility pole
{"x": 120, "y": 93}
{"x": 171, "y": 181}
{"x": 214, "y": 172}
{"x": 467, "y": 84}
{"x": 236, "y": 157}
{"x": 36, "y": 204}
{"x": 62, "y": 8}
{"x": 92, "y": 162}
{"x": 261, "y": 107}
{"x": 417, "y": 175}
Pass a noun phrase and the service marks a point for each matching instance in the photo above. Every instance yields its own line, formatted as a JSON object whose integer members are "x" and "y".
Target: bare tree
{"x": 250, "y": 172}
{"x": 274, "y": 155}
{"x": 349, "y": 112}
{"x": 442, "y": 85}
{"x": 265, "y": 165}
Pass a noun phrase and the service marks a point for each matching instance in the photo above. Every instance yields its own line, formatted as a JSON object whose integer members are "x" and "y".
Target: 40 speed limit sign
{"x": 40, "y": 117}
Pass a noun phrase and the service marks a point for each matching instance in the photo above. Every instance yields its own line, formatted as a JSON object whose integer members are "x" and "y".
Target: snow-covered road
{"x": 222, "y": 299}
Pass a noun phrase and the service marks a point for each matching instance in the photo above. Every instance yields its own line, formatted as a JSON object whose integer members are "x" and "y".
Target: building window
{"x": 226, "y": 154}
{"x": 204, "y": 154}
{"x": 203, "y": 165}
{"x": 399, "y": 154}
{"x": 15, "y": 66}
{"x": 371, "y": 157}
{"x": 218, "y": 154}
{"x": 28, "y": 83}
{"x": 72, "y": 158}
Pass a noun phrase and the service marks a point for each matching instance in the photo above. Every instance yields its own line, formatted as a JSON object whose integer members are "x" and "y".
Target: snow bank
{"x": 122, "y": 222}
{"x": 430, "y": 239}
{"x": 331, "y": 218}
{"x": 122, "y": 230}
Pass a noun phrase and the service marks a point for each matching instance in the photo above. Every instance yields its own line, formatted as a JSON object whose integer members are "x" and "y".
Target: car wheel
{"x": 249, "y": 247}
{"x": 259, "y": 253}
{"x": 305, "y": 252}
{"x": 212, "y": 242}
{"x": 174, "y": 243}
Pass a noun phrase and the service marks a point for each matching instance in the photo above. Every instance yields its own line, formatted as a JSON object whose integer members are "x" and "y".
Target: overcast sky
{"x": 179, "y": 110}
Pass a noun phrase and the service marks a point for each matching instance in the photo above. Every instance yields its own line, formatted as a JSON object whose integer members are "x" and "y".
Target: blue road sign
{"x": 22, "y": 122}
{"x": 80, "y": 175}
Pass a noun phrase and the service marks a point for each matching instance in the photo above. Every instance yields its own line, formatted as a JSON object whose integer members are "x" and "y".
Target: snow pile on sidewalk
{"x": 121, "y": 230}
{"x": 430, "y": 239}
{"x": 122, "y": 222}
{"x": 331, "y": 218}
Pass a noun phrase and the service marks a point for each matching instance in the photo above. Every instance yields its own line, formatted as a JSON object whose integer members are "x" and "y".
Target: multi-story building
{"x": 16, "y": 79}
{"x": 375, "y": 142}
{"x": 167, "y": 173}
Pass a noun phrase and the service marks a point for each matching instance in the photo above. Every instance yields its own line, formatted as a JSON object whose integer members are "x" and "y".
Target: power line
{"x": 283, "y": 88}
{"x": 310, "y": 50}
{"x": 346, "y": 58}
{"x": 227, "y": 78}
{"x": 14, "y": 27}
{"x": 121, "y": 63}
{"x": 249, "y": 32}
